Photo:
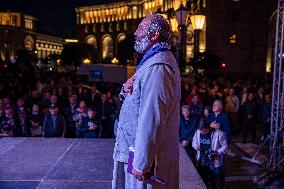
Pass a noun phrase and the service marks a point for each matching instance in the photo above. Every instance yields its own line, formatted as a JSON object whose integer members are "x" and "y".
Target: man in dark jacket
{"x": 68, "y": 112}
{"x": 54, "y": 124}
{"x": 250, "y": 112}
{"x": 265, "y": 115}
{"x": 188, "y": 126}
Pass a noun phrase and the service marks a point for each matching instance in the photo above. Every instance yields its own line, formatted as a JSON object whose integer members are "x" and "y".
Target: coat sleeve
{"x": 155, "y": 87}
{"x": 223, "y": 142}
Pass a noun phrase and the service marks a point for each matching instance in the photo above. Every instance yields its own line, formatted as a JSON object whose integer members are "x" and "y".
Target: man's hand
{"x": 128, "y": 85}
{"x": 184, "y": 143}
{"x": 138, "y": 175}
{"x": 215, "y": 125}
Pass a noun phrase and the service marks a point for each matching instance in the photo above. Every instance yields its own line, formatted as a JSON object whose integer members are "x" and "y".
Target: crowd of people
{"x": 56, "y": 106}
{"x": 212, "y": 112}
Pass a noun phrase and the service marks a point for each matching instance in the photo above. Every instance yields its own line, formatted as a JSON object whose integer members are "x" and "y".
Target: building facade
{"x": 18, "y": 31}
{"x": 241, "y": 33}
{"x": 107, "y": 27}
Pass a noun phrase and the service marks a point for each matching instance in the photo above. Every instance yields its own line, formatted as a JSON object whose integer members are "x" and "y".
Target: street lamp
{"x": 181, "y": 15}
{"x": 197, "y": 21}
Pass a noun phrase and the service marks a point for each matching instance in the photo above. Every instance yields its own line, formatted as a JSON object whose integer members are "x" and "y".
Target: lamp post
{"x": 181, "y": 15}
{"x": 197, "y": 19}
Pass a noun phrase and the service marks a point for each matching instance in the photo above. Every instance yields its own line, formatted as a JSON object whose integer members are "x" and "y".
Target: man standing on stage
{"x": 149, "y": 117}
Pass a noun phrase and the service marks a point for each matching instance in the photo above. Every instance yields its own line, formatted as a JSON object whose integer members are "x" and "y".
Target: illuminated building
{"x": 106, "y": 26}
{"x": 18, "y": 31}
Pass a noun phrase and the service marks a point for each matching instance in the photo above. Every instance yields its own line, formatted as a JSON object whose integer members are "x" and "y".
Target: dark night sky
{"x": 56, "y": 17}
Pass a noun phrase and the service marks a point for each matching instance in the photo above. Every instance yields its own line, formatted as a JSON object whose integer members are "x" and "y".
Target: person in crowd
{"x": 33, "y": 99}
{"x": 53, "y": 100}
{"x": 106, "y": 114}
{"x": 89, "y": 127}
{"x": 54, "y": 124}
{"x": 10, "y": 125}
{"x": 78, "y": 116}
{"x": 232, "y": 105}
{"x": 35, "y": 121}
{"x": 189, "y": 123}
{"x": 213, "y": 96}
{"x": 265, "y": 115}
{"x": 95, "y": 97}
{"x": 250, "y": 112}
{"x": 211, "y": 146}
{"x": 22, "y": 114}
{"x": 68, "y": 112}
{"x": 220, "y": 120}
{"x": 112, "y": 101}
{"x": 196, "y": 106}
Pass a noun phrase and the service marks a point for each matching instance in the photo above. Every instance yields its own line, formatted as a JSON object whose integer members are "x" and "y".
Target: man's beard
{"x": 142, "y": 44}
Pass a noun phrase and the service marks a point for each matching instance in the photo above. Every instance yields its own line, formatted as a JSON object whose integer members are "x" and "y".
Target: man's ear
{"x": 155, "y": 36}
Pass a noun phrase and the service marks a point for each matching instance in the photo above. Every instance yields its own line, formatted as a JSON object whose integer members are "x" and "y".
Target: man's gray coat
{"x": 149, "y": 120}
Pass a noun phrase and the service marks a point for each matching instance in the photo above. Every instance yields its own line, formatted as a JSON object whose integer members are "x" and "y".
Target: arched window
{"x": 107, "y": 46}
{"x": 91, "y": 40}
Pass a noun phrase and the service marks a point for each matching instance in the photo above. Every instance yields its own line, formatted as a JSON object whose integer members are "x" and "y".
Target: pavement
{"x": 60, "y": 163}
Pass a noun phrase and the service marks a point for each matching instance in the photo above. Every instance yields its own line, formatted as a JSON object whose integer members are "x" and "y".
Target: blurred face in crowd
{"x": 9, "y": 112}
{"x": 91, "y": 114}
{"x": 1, "y": 103}
{"x": 53, "y": 111}
{"x": 6, "y": 101}
{"x": 72, "y": 100}
{"x": 267, "y": 98}
{"x": 185, "y": 111}
{"x": 245, "y": 90}
{"x": 60, "y": 90}
{"x": 109, "y": 95}
{"x": 250, "y": 96}
{"x": 82, "y": 105}
{"x": 34, "y": 94}
{"x": 104, "y": 97}
{"x": 187, "y": 87}
{"x": 20, "y": 102}
{"x": 213, "y": 92}
{"x": 217, "y": 106}
{"x": 35, "y": 108}
{"x": 47, "y": 95}
{"x": 53, "y": 99}
{"x": 206, "y": 112}
{"x": 231, "y": 92}
{"x": 94, "y": 89}
{"x": 195, "y": 99}
{"x": 193, "y": 91}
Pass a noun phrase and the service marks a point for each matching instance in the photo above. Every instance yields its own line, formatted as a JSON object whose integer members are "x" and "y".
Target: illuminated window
{"x": 91, "y": 40}
{"x": 94, "y": 28}
{"x": 125, "y": 26}
{"x": 134, "y": 12}
{"x": 102, "y": 28}
{"x": 117, "y": 26}
{"x": 29, "y": 43}
{"x": 110, "y": 27}
{"x": 86, "y": 29}
{"x": 28, "y": 24}
{"x": 233, "y": 39}
{"x": 107, "y": 44}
